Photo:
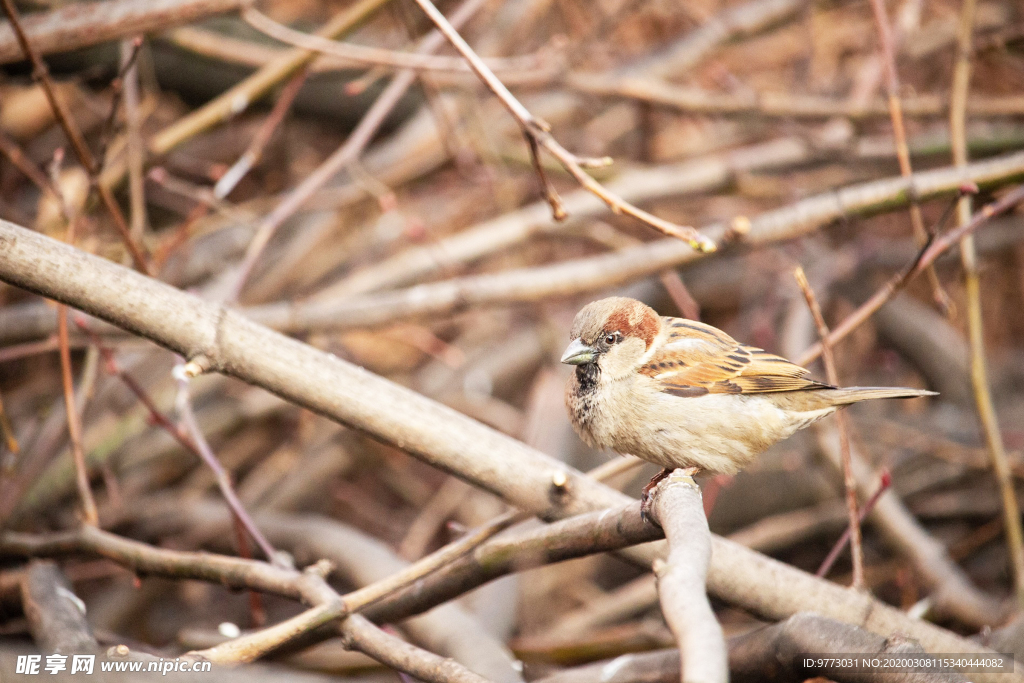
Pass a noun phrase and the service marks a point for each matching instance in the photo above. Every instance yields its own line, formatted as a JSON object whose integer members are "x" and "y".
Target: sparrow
{"x": 682, "y": 394}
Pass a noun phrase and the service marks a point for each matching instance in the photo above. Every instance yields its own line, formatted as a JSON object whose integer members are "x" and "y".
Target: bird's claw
{"x": 645, "y": 496}
{"x": 645, "y": 509}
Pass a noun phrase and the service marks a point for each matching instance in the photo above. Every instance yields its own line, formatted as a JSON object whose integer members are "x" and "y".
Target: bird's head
{"x": 614, "y": 333}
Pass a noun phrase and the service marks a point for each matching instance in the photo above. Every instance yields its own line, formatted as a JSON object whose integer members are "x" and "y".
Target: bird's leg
{"x": 645, "y": 495}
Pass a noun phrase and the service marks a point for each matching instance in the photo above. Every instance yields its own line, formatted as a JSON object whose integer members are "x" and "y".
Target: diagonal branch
{"x": 538, "y": 131}
{"x": 925, "y": 258}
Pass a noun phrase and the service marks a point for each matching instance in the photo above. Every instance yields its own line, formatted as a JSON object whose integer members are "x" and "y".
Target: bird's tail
{"x": 849, "y": 395}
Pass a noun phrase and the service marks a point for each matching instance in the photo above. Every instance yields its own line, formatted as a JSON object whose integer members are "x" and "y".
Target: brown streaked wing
{"x": 709, "y": 361}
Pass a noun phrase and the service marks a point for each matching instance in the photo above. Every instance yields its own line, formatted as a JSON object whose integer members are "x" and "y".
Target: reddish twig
{"x": 188, "y": 436}
{"x": 156, "y": 416}
{"x": 833, "y": 554}
{"x": 254, "y": 152}
{"x": 849, "y": 481}
{"x": 91, "y": 515}
{"x": 257, "y": 613}
{"x": 183, "y": 403}
{"x": 932, "y": 251}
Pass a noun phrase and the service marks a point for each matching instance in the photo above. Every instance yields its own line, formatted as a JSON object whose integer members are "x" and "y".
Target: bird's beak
{"x": 578, "y": 353}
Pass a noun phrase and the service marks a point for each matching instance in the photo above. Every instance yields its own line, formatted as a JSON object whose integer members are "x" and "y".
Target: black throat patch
{"x": 587, "y": 376}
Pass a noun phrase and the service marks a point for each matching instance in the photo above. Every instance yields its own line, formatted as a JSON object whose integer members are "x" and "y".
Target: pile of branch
{"x": 327, "y": 381}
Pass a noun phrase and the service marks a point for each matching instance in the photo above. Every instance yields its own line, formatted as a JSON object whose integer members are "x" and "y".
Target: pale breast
{"x": 716, "y": 432}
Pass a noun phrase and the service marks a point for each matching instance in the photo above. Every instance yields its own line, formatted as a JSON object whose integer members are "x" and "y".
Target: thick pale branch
{"x": 782, "y": 104}
{"x": 640, "y": 186}
{"x": 678, "y": 506}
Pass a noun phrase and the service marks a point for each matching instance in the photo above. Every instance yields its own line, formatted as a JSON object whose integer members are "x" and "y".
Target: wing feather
{"x": 698, "y": 359}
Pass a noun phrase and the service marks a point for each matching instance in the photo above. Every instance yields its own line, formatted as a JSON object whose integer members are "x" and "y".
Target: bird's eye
{"x": 613, "y": 338}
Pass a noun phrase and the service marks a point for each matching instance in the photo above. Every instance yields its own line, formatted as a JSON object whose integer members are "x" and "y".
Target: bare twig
{"x": 539, "y": 135}
{"x": 560, "y": 279}
{"x": 975, "y": 324}
{"x": 341, "y": 311}
{"x": 74, "y": 417}
{"x": 183, "y": 404}
{"x": 833, "y": 555}
{"x": 360, "y": 54}
{"x": 157, "y": 417}
{"x": 250, "y": 647}
{"x": 429, "y": 582}
{"x": 899, "y": 131}
{"x": 951, "y": 592}
{"x": 925, "y": 258}
{"x": 445, "y": 556}
{"x": 530, "y": 70}
{"x": 238, "y": 98}
{"x": 254, "y": 152}
{"x": 41, "y": 73}
{"x": 679, "y": 509}
{"x": 776, "y": 104}
{"x": 343, "y": 156}
{"x": 643, "y": 185}
{"x": 449, "y": 630}
{"x": 849, "y": 483}
{"x": 91, "y": 516}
